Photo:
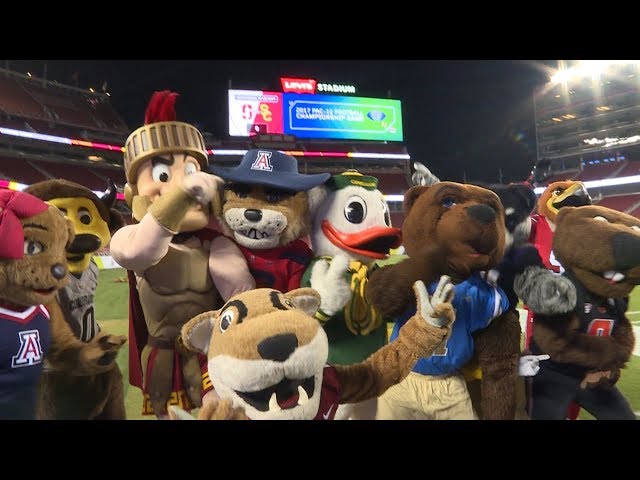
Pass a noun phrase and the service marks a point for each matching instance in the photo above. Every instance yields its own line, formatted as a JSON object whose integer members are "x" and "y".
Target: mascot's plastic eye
{"x": 84, "y": 216}
{"x": 226, "y": 319}
{"x": 448, "y": 202}
{"x": 601, "y": 219}
{"x": 273, "y": 197}
{"x": 558, "y": 191}
{"x": 190, "y": 168}
{"x": 161, "y": 173}
{"x": 288, "y": 303}
{"x": 356, "y": 209}
{"x": 241, "y": 191}
{"x": 32, "y": 248}
{"x": 387, "y": 215}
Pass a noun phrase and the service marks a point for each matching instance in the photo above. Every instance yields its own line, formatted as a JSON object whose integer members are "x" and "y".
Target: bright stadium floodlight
{"x": 394, "y": 198}
{"x": 587, "y": 68}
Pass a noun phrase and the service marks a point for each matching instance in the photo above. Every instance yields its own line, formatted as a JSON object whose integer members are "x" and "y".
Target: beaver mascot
{"x": 580, "y": 316}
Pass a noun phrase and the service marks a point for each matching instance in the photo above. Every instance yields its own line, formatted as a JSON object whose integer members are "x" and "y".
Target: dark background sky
{"x": 461, "y": 117}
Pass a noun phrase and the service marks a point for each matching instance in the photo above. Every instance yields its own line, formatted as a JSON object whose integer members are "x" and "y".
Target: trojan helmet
{"x": 162, "y": 134}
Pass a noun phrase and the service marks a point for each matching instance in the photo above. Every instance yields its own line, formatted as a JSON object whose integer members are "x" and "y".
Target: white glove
{"x": 530, "y": 364}
{"x": 329, "y": 280}
{"x": 202, "y": 186}
{"x": 426, "y": 306}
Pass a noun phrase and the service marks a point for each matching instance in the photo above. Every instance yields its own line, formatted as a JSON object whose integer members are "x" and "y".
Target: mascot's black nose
{"x": 626, "y": 250}
{"x": 84, "y": 243}
{"x": 252, "y": 214}
{"x": 482, "y": 213}
{"x": 58, "y": 271}
{"x": 278, "y": 347}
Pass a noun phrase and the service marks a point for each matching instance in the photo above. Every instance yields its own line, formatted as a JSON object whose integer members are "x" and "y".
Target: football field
{"x": 112, "y": 312}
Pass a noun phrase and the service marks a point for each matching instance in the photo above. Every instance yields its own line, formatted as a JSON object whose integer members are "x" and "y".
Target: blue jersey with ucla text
{"x": 24, "y": 340}
{"x": 476, "y": 303}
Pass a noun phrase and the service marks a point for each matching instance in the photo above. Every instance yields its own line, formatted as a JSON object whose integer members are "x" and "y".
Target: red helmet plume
{"x": 161, "y": 107}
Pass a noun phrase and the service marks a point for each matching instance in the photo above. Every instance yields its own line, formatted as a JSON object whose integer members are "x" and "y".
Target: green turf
{"x": 112, "y": 313}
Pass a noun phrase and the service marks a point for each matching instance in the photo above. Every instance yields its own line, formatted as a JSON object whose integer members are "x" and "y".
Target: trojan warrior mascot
{"x": 168, "y": 250}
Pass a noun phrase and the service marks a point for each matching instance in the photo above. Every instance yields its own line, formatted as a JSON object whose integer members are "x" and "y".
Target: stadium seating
{"x": 14, "y": 99}
{"x": 35, "y": 99}
{"x": 599, "y": 171}
{"x": 630, "y": 168}
{"x": 621, "y": 203}
{"x": 75, "y": 173}
{"x": 391, "y": 183}
{"x": 396, "y": 219}
{"x": 19, "y": 170}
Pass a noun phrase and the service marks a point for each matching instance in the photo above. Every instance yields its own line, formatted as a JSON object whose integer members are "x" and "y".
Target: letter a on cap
{"x": 262, "y": 162}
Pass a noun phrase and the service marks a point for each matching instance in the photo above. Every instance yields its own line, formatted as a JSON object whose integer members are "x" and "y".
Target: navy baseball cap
{"x": 272, "y": 168}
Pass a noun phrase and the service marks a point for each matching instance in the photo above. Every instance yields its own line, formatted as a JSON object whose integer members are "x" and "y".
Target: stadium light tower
{"x": 587, "y": 113}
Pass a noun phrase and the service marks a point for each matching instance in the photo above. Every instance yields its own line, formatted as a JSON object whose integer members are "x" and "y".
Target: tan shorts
{"x": 357, "y": 411}
{"x": 427, "y": 397}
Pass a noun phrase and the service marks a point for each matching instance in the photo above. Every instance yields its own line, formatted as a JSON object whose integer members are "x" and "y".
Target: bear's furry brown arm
{"x": 558, "y": 337}
{"x": 497, "y": 349}
{"x": 75, "y": 357}
{"x": 392, "y": 363}
{"x": 625, "y": 338}
{"x": 65, "y": 347}
{"x": 390, "y": 288}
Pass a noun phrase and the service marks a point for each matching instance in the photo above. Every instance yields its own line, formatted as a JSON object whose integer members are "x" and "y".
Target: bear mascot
{"x": 456, "y": 230}
{"x": 64, "y": 396}
{"x": 33, "y": 331}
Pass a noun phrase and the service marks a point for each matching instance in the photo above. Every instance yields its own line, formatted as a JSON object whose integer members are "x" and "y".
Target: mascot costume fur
{"x": 567, "y": 193}
{"x": 579, "y": 316}
{"x": 351, "y": 231}
{"x": 266, "y": 211}
{"x": 268, "y": 355}
{"x": 64, "y": 396}
{"x": 33, "y": 330}
{"x": 557, "y": 195}
{"x": 497, "y": 393}
{"x": 456, "y": 230}
{"x": 170, "y": 250}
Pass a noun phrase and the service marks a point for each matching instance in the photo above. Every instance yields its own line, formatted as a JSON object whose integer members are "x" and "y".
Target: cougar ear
{"x": 306, "y": 299}
{"x": 315, "y": 197}
{"x": 196, "y": 333}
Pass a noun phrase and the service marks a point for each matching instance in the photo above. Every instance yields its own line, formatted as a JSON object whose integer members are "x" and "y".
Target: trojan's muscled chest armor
{"x": 177, "y": 288}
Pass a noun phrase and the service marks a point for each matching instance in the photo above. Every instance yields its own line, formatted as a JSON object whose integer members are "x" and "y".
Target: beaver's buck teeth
{"x": 613, "y": 276}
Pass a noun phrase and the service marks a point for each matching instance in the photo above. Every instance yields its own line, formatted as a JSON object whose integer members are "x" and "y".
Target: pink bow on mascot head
{"x": 13, "y": 207}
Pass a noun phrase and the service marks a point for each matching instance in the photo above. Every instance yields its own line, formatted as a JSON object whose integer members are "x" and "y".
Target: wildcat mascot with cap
{"x": 351, "y": 231}
{"x": 168, "y": 253}
{"x": 266, "y": 211}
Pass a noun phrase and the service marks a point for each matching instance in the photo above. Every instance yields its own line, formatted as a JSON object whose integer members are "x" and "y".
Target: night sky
{"x": 462, "y": 118}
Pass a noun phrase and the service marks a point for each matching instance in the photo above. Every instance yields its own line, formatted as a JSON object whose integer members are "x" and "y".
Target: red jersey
{"x": 542, "y": 237}
{"x": 329, "y": 394}
{"x": 280, "y": 268}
